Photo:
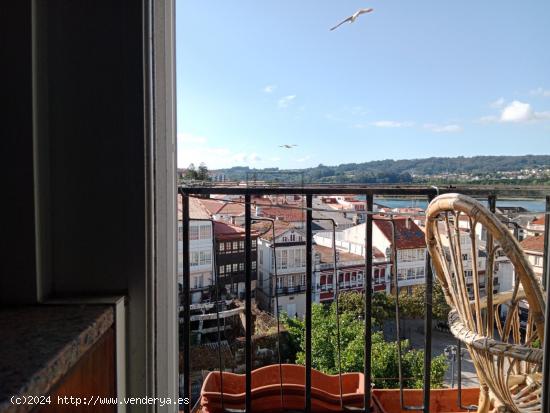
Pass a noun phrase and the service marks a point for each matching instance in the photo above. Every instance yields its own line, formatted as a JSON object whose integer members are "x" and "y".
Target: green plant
{"x": 384, "y": 354}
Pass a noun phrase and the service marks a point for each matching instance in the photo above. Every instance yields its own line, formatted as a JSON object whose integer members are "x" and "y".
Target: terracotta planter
{"x": 441, "y": 400}
{"x": 266, "y": 396}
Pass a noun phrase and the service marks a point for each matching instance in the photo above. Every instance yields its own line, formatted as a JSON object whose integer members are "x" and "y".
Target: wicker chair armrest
{"x": 490, "y": 345}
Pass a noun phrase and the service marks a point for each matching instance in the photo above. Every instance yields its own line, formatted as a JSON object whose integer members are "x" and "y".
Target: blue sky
{"x": 410, "y": 80}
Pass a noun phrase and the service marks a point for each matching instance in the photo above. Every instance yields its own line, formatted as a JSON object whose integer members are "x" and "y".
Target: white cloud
{"x": 269, "y": 88}
{"x": 517, "y": 112}
{"x": 193, "y": 149}
{"x": 497, "y": 104}
{"x": 542, "y": 115}
{"x": 540, "y": 92}
{"x": 390, "y": 124}
{"x": 254, "y": 157}
{"x": 286, "y": 101}
{"x": 443, "y": 128}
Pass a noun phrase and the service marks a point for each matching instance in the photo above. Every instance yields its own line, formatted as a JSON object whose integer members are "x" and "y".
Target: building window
{"x": 198, "y": 281}
{"x": 290, "y": 281}
{"x": 464, "y": 257}
{"x": 222, "y": 247}
{"x": 253, "y": 265}
{"x": 194, "y": 259}
{"x": 205, "y": 258}
{"x": 254, "y": 244}
{"x": 235, "y": 245}
{"x": 235, "y": 267}
{"x": 205, "y": 231}
{"x": 222, "y": 269}
{"x": 284, "y": 259}
{"x": 241, "y": 245}
{"x": 228, "y": 268}
{"x": 292, "y": 237}
{"x": 228, "y": 246}
{"x": 193, "y": 232}
{"x": 279, "y": 282}
{"x": 241, "y": 266}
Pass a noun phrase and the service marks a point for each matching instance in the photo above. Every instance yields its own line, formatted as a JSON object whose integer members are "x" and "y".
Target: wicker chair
{"x": 463, "y": 237}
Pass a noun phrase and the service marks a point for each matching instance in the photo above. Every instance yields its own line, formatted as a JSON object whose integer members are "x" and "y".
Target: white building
{"x": 200, "y": 250}
{"x": 411, "y": 248}
{"x": 350, "y": 270}
{"x": 533, "y": 247}
{"x": 290, "y": 283}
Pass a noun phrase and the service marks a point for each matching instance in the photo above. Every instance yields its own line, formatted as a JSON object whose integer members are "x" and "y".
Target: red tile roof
{"x": 265, "y": 231}
{"x": 284, "y": 214}
{"x": 538, "y": 221}
{"x": 406, "y": 238}
{"x": 533, "y": 244}
{"x": 196, "y": 209}
{"x": 327, "y": 255}
{"x": 212, "y": 205}
{"x": 232, "y": 208}
{"x": 226, "y": 231}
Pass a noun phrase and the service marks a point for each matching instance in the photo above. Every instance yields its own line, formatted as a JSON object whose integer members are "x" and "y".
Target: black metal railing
{"x": 491, "y": 194}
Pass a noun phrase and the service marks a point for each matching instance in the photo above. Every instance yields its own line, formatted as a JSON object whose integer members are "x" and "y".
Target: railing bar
{"x": 397, "y": 316}
{"x": 368, "y": 303}
{"x": 186, "y": 303}
{"x": 546, "y": 280}
{"x": 248, "y": 305}
{"x": 546, "y": 258}
{"x": 428, "y": 329}
{"x": 489, "y": 271}
{"x": 399, "y": 190}
{"x": 309, "y": 291}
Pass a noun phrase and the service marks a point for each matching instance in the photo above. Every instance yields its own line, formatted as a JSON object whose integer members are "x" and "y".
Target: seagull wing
{"x": 363, "y": 11}
{"x": 350, "y": 18}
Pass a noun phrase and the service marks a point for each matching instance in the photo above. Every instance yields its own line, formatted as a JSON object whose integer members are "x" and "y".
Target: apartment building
{"x": 350, "y": 272}
{"x": 230, "y": 258}
{"x": 288, "y": 278}
{"x": 533, "y": 247}
{"x": 535, "y": 227}
{"x": 410, "y": 243}
{"x": 200, "y": 250}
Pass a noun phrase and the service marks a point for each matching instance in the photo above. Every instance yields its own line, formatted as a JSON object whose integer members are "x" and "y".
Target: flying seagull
{"x": 287, "y": 146}
{"x": 352, "y": 18}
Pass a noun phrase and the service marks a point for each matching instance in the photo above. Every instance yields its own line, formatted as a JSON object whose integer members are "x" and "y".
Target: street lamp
{"x": 451, "y": 352}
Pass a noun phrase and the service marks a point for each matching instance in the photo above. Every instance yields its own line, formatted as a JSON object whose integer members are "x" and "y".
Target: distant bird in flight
{"x": 352, "y": 18}
{"x": 287, "y": 146}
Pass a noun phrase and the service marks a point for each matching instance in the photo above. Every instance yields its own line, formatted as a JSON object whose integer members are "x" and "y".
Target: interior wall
{"x": 92, "y": 116}
{"x": 95, "y": 106}
{"x": 17, "y": 241}
{"x": 89, "y": 167}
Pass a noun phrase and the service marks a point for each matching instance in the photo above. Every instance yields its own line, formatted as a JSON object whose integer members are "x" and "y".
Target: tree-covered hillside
{"x": 481, "y": 168}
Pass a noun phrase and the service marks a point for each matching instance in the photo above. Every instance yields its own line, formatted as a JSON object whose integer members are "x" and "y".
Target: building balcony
{"x": 253, "y": 386}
